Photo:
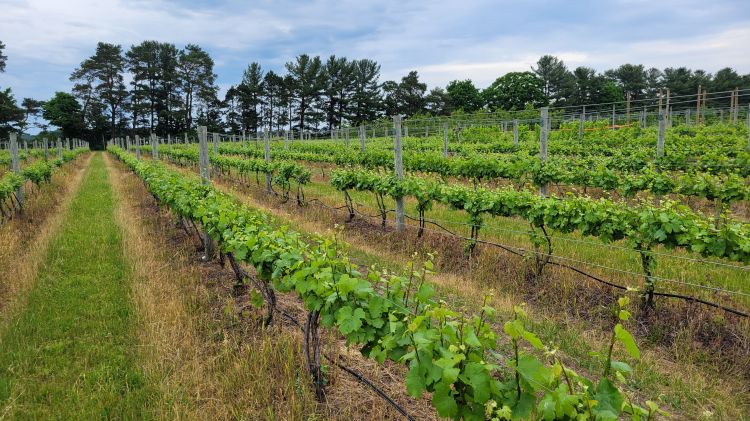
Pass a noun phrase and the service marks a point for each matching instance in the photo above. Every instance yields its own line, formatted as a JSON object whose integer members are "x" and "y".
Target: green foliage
{"x": 283, "y": 173}
{"x": 38, "y": 173}
{"x": 9, "y": 183}
{"x": 701, "y": 169}
{"x": 463, "y": 95}
{"x": 64, "y": 111}
{"x": 670, "y": 225}
{"x": 515, "y": 91}
{"x": 393, "y": 316}
{"x": 10, "y": 114}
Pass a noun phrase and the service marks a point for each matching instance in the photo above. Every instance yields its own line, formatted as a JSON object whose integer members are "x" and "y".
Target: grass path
{"x": 71, "y": 353}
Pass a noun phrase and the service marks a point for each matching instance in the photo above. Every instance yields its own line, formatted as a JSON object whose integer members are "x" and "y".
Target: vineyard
{"x": 688, "y": 204}
{"x": 38, "y": 168}
{"x": 376, "y": 211}
{"x": 663, "y": 228}
{"x": 546, "y": 268}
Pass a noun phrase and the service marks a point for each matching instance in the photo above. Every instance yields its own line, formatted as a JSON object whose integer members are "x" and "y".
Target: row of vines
{"x": 455, "y": 357}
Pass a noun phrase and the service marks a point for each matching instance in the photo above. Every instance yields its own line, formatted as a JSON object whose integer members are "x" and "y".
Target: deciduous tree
{"x": 463, "y": 95}
{"x": 514, "y": 91}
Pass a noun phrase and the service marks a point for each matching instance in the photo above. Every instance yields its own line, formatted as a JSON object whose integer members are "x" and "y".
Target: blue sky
{"x": 443, "y": 40}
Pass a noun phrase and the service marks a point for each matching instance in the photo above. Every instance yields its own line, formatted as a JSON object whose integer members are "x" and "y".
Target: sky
{"x": 443, "y": 40}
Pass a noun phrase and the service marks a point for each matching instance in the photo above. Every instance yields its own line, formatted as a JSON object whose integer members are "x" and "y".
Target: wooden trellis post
{"x": 397, "y": 149}
{"x": 203, "y": 160}
{"x": 543, "y": 125}
{"x": 445, "y": 140}
{"x": 15, "y": 165}
{"x": 627, "y": 109}
{"x": 660, "y": 139}
{"x": 362, "y": 137}
{"x": 267, "y": 153}
{"x": 154, "y": 147}
{"x": 581, "y": 123}
{"x": 698, "y": 107}
{"x": 203, "y": 163}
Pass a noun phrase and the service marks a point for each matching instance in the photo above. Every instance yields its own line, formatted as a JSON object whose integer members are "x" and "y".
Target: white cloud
{"x": 444, "y": 40}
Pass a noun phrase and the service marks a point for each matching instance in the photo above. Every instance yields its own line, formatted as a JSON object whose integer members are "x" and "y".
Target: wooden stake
{"x": 581, "y": 123}
{"x": 203, "y": 162}
{"x": 660, "y": 96}
{"x": 267, "y": 155}
{"x": 543, "y": 124}
{"x": 627, "y": 109}
{"x": 15, "y": 165}
{"x": 660, "y": 139}
{"x": 668, "y": 110}
{"x": 698, "y": 107}
{"x": 154, "y": 147}
{"x": 445, "y": 140}
{"x": 397, "y": 149}
{"x": 362, "y": 137}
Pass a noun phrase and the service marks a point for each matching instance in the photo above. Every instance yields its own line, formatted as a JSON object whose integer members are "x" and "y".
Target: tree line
{"x": 156, "y": 87}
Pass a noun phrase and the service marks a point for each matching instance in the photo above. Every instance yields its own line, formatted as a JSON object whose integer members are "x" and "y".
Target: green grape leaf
{"x": 349, "y": 321}
{"x": 609, "y": 401}
{"x": 443, "y": 401}
{"x": 627, "y": 340}
{"x": 415, "y": 383}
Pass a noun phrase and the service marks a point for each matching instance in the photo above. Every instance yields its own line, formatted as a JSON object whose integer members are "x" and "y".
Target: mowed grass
{"x": 70, "y": 352}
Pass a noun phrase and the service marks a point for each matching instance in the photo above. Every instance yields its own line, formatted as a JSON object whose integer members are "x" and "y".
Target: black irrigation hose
{"x": 376, "y": 389}
{"x": 378, "y": 215}
{"x": 360, "y": 378}
{"x": 320, "y": 203}
{"x": 594, "y": 277}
